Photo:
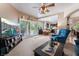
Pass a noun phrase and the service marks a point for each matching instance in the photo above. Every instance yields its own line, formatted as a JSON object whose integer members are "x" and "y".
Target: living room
{"x": 39, "y": 29}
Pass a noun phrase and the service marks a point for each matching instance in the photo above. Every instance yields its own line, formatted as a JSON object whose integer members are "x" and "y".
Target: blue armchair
{"x": 62, "y": 36}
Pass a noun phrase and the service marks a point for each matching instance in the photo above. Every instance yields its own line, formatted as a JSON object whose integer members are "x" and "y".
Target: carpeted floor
{"x": 26, "y": 47}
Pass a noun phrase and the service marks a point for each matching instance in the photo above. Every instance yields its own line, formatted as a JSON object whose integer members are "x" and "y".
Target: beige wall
{"x": 9, "y": 12}
{"x": 74, "y": 15}
{"x": 6, "y": 11}
{"x": 71, "y": 9}
{"x": 63, "y": 16}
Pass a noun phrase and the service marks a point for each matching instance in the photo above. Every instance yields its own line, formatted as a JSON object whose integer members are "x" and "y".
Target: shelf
{"x": 7, "y": 44}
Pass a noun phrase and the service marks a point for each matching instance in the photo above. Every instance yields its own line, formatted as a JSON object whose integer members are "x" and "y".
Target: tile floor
{"x": 26, "y": 47}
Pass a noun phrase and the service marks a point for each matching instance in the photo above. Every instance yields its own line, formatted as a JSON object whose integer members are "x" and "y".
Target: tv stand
{"x": 8, "y": 43}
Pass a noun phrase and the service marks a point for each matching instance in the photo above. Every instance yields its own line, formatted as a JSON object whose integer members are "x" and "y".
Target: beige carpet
{"x": 26, "y": 47}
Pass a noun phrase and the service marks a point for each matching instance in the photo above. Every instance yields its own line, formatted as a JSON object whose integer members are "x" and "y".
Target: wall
{"x": 9, "y": 12}
{"x": 74, "y": 15}
{"x": 73, "y": 12}
{"x": 70, "y": 9}
{"x": 61, "y": 21}
{"x": 63, "y": 16}
{"x": 6, "y": 11}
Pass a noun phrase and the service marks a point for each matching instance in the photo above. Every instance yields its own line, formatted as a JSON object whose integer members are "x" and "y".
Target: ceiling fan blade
{"x": 50, "y": 5}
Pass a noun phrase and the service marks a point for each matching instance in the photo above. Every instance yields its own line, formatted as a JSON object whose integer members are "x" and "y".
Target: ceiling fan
{"x": 44, "y": 7}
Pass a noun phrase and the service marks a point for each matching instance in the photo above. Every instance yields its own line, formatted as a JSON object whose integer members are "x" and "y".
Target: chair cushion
{"x": 63, "y": 33}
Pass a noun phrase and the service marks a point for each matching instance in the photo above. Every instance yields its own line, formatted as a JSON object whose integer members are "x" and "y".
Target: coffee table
{"x": 43, "y": 50}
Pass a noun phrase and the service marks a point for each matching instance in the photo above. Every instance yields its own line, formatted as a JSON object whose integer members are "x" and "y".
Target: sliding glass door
{"x": 33, "y": 28}
{"x": 40, "y": 25}
{"x": 23, "y": 26}
{"x": 30, "y": 28}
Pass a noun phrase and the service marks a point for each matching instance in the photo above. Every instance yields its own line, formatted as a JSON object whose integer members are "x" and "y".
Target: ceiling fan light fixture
{"x": 46, "y": 10}
{"x": 44, "y": 7}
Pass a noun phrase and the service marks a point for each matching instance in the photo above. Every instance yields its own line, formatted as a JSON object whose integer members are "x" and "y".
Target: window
{"x": 33, "y": 28}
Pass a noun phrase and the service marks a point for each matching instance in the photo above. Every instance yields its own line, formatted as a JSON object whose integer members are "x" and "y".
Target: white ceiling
{"x": 28, "y": 8}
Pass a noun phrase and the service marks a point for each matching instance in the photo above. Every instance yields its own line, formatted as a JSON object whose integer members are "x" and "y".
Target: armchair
{"x": 61, "y": 36}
